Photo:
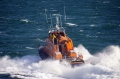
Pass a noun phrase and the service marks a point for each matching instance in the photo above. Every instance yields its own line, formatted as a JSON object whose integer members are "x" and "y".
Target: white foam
{"x": 81, "y": 49}
{"x": 81, "y": 30}
{"x": 31, "y": 67}
{"x": 71, "y": 24}
{"x": 71, "y": 18}
{"x": 85, "y": 72}
{"x": 110, "y": 57}
{"x": 40, "y": 29}
{"x": 30, "y": 48}
{"x": 40, "y": 40}
{"x": 106, "y": 2}
{"x": 25, "y": 20}
{"x": 56, "y": 14}
{"x": 92, "y": 25}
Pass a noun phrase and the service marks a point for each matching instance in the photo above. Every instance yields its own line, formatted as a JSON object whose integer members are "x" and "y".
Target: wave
{"x": 71, "y": 24}
{"x": 92, "y": 25}
{"x": 106, "y": 65}
{"x": 40, "y": 29}
{"x": 30, "y": 48}
{"x": 110, "y": 57}
{"x": 40, "y": 40}
{"x": 81, "y": 30}
{"x": 70, "y": 18}
{"x": 106, "y": 2}
{"x": 25, "y": 20}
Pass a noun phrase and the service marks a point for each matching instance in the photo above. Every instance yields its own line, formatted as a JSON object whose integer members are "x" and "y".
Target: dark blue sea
{"x": 93, "y": 25}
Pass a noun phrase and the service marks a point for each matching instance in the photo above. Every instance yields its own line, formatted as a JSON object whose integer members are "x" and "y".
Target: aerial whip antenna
{"x": 57, "y": 24}
{"x": 46, "y": 15}
{"x": 51, "y": 21}
{"x": 64, "y": 14}
{"x": 60, "y": 20}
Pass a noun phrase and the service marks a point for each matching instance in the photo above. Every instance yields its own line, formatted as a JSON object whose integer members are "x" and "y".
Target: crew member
{"x": 53, "y": 37}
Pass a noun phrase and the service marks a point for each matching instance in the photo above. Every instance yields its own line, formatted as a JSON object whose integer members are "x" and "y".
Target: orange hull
{"x": 61, "y": 47}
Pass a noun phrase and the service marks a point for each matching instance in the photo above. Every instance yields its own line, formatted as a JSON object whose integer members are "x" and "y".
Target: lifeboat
{"x": 59, "y": 46}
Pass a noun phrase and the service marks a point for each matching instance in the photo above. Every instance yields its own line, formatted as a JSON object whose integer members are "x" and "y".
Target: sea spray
{"x": 29, "y": 67}
{"x": 110, "y": 56}
{"x": 32, "y": 67}
{"x": 81, "y": 49}
{"x": 100, "y": 68}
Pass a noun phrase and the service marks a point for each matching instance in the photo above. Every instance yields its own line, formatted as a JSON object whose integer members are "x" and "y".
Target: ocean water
{"x": 93, "y": 25}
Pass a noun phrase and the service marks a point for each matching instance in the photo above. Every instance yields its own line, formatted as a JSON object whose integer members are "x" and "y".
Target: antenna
{"x": 57, "y": 22}
{"x": 60, "y": 20}
{"x": 46, "y": 15}
{"x": 64, "y": 14}
{"x": 51, "y": 21}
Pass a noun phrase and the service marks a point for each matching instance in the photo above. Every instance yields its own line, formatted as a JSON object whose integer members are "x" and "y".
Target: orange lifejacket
{"x": 62, "y": 39}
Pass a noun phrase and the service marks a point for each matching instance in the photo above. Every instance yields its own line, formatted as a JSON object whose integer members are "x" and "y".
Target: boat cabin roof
{"x": 60, "y": 29}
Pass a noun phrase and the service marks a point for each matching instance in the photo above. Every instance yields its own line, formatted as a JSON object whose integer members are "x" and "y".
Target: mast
{"x": 60, "y": 20}
{"x": 46, "y": 15}
{"x": 57, "y": 22}
{"x": 64, "y": 14}
{"x": 51, "y": 21}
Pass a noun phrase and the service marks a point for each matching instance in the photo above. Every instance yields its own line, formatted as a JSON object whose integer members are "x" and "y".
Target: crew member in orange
{"x": 62, "y": 39}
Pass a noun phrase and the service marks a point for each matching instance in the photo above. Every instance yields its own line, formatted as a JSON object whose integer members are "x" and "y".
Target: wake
{"x": 105, "y": 64}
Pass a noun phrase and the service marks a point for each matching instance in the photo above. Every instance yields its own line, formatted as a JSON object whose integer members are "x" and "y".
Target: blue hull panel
{"x": 43, "y": 54}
